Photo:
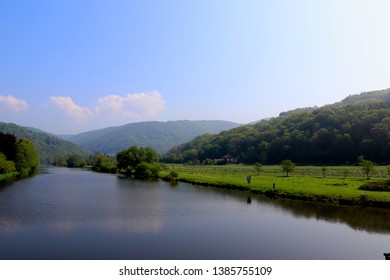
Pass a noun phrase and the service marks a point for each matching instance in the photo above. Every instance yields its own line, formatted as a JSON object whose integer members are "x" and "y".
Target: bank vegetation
{"x": 328, "y": 184}
{"x": 18, "y": 157}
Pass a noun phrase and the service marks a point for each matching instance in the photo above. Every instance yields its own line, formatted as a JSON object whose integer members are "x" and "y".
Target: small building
{"x": 226, "y": 159}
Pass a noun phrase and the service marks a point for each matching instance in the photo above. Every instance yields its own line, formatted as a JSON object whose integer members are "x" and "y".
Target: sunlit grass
{"x": 307, "y": 182}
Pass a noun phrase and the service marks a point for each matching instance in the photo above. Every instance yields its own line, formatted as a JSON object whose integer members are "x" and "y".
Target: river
{"x": 76, "y": 214}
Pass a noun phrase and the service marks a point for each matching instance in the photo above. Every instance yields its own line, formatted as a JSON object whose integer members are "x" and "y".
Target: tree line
{"x": 326, "y": 135}
{"x": 17, "y": 156}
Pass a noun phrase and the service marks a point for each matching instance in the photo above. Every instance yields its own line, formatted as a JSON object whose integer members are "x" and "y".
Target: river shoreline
{"x": 7, "y": 177}
{"x": 334, "y": 190}
{"x": 275, "y": 194}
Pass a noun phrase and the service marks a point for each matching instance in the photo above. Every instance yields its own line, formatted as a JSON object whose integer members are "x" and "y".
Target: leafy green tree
{"x": 7, "y": 145}
{"x": 6, "y": 166}
{"x": 287, "y": 166}
{"x": 76, "y": 160}
{"x": 26, "y": 159}
{"x": 263, "y": 147}
{"x": 258, "y": 167}
{"x": 60, "y": 161}
{"x": 147, "y": 170}
{"x": 190, "y": 155}
{"x": 367, "y": 166}
{"x": 104, "y": 163}
{"x": 251, "y": 155}
{"x": 130, "y": 158}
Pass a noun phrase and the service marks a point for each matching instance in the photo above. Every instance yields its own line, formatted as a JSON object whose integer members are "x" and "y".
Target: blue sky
{"x": 72, "y": 66}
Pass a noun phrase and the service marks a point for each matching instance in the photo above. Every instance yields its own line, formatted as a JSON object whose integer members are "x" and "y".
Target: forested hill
{"x": 334, "y": 134}
{"x": 49, "y": 147}
{"x": 160, "y": 136}
{"x": 370, "y": 97}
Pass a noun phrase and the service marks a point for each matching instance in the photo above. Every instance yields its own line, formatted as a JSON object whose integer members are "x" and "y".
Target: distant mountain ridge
{"x": 160, "y": 136}
{"x": 48, "y": 146}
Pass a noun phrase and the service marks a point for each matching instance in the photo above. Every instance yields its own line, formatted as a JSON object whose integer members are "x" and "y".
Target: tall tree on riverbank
{"x": 17, "y": 155}
{"x": 132, "y": 161}
{"x": 26, "y": 159}
{"x": 104, "y": 163}
{"x": 7, "y": 145}
{"x": 6, "y": 166}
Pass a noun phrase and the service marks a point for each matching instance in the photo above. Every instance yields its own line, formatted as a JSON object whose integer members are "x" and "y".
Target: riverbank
{"x": 13, "y": 176}
{"x": 340, "y": 185}
{"x": 6, "y": 177}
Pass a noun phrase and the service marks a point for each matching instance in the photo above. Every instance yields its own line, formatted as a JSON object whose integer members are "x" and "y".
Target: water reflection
{"x": 371, "y": 220}
{"x": 367, "y": 219}
{"x": 74, "y": 214}
{"x": 63, "y": 203}
{"x": 146, "y": 224}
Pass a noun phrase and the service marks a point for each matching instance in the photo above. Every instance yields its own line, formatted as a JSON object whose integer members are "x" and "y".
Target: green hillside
{"x": 48, "y": 147}
{"x": 333, "y": 134}
{"x": 160, "y": 136}
{"x": 371, "y": 96}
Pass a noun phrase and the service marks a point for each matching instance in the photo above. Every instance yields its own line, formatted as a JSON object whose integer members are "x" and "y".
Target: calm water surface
{"x": 76, "y": 214}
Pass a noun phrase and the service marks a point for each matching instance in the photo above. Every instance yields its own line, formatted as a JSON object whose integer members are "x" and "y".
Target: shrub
{"x": 6, "y": 166}
{"x": 378, "y": 186}
{"x": 147, "y": 170}
{"x": 172, "y": 176}
{"x": 104, "y": 163}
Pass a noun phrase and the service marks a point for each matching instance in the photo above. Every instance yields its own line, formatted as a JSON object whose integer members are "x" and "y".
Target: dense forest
{"x": 17, "y": 156}
{"x": 357, "y": 127}
{"x": 51, "y": 149}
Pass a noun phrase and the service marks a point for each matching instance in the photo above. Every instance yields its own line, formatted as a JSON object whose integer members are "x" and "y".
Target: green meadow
{"x": 331, "y": 184}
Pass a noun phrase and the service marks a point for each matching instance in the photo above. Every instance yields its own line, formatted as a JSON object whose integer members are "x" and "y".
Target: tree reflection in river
{"x": 371, "y": 220}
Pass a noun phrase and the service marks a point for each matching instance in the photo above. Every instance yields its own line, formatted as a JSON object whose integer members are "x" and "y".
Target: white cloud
{"x": 134, "y": 106}
{"x": 13, "y": 104}
{"x": 111, "y": 110}
{"x": 67, "y": 105}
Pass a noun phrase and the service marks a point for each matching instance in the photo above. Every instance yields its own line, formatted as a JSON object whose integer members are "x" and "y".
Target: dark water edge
{"x": 76, "y": 214}
{"x": 6, "y": 179}
{"x": 12, "y": 177}
{"x": 362, "y": 218}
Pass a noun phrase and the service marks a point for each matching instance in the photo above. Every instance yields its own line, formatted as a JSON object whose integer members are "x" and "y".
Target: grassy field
{"x": 337, "y": 184}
